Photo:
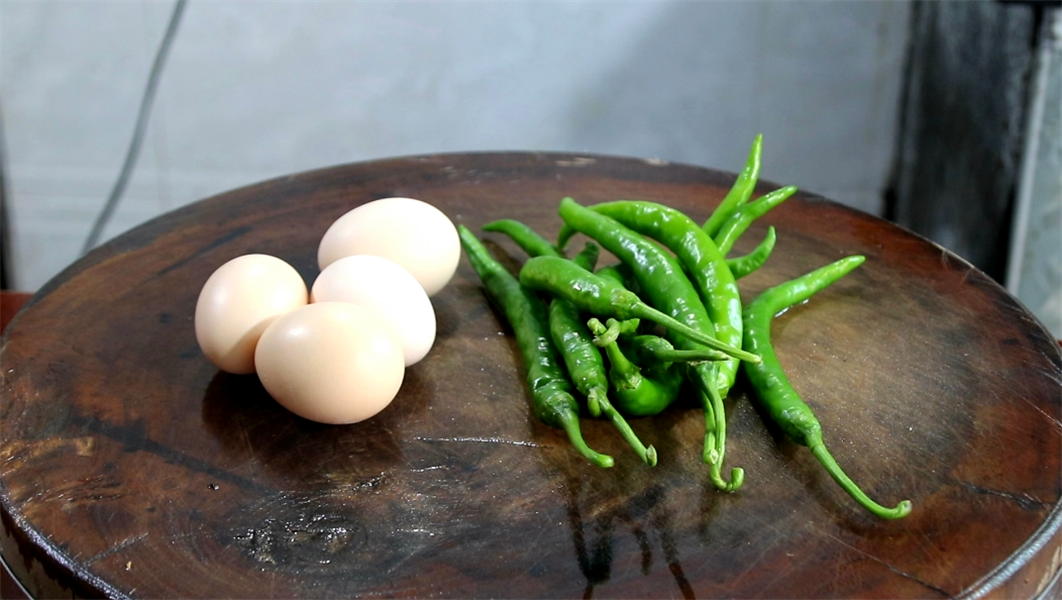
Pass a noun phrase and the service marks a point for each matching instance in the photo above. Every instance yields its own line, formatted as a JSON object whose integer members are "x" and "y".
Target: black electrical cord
{"x": 138, "y": 131}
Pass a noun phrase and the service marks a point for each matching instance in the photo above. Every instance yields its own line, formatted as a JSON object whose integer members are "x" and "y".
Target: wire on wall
{"x": 138, "y": 131}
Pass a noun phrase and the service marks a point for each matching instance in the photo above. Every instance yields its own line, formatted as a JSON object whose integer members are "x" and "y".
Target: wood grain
{"x": 133, "y": 468}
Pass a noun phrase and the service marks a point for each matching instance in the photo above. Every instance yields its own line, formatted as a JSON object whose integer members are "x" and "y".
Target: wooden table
{"x": 132, "y": 467}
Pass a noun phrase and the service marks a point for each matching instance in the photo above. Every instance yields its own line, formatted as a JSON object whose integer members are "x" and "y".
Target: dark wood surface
{"x": 132, "y": 467}
{"x": 10, "y": 303}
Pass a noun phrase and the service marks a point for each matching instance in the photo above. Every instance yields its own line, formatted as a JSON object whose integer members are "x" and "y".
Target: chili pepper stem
{"x": 625, "y": 374}
{"x": 710, "y": 454}
{"x": 642, "y": 310}
{"x": 718, "y": 450}
{"x": 617, "y": 328}
{"x": 647, "y": 454}
{"x": 823, "y": 455}
{"x": 569, "y": 421}
{"x": 689, "y": 356}
{"x": 606, "y": 337}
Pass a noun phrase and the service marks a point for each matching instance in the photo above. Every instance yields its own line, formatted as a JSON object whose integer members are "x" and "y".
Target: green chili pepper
{"x": 703, "y": 262}
{"x": 551, "y": 398}
{"x": 585, "y": 366}
{"x": 572, "y": 338}
{"x": 773, "y": 389}
{"x": 745, "y": 265}
{"x": 738, "y": 222}
{"x": 636, "y": 392}
{"x": 620, "y": 274}
{"x": 717, "y": 288}
{"x": 596, "y": 295}
{"x": 741, "y": 191}
{"x": 661, "y": 279}
{"x": 583, "y": 359}
{"x": 528, "y": 239}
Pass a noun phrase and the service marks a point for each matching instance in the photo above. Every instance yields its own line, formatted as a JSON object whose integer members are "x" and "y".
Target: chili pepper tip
{"x": 737, "y": 479}
{"x": 710, "y": 455}
{"x": 650, "y": 456}
{"x": 570, "y": 423}
{"x": 902, "y": 509}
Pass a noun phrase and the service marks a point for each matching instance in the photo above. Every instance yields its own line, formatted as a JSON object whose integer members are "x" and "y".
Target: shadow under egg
{"x": 258, "y": 433}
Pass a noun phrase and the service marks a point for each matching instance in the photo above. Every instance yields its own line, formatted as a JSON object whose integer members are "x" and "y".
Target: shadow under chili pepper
{"x": 686, "y": 404}
{"x": 595, "y": 557}
{"x": 661, "y": 521}
{"x": 595, "y": 565}
{"x": 637, "y": 501}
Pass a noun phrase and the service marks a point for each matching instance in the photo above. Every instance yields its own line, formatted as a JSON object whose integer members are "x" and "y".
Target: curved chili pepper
{"x": 551, "y": 398}
{"x": 744, "y": 265}
{"x": 636, "y": 392}
{"x": 528, "y": 239}
{"x": 773, "y": 389}
{"x": 596, "y": 295}
{"x": 586, "y": 369}
{"x": 667, "y": 287}
{"x": 741, "y": 191}
{"x": 738, "y": 222}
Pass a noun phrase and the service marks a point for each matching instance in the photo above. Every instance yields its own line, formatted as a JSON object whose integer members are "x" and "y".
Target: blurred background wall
{"x": 256, "y": 90}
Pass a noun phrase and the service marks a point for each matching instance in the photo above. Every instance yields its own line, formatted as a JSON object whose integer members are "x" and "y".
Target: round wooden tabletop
{"x": 131, "y": 467}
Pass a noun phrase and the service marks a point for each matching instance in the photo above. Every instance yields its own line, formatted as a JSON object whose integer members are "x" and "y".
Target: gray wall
{"x": 258, "y": 90}
{"x": 1034, "y": 273}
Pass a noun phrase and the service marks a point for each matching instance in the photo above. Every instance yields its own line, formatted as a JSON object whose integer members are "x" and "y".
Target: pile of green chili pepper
{"x": 584, "y": 330}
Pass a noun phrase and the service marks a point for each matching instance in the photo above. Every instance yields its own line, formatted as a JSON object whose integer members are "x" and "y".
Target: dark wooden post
{"x": 962, "y": 125}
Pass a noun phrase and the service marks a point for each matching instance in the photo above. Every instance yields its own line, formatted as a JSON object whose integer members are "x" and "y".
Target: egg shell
{"x": 379, "y": 283}
{"x": 236, "y": 304}
{"x": 331, "y": 362}
{"x": 412, "y": 233}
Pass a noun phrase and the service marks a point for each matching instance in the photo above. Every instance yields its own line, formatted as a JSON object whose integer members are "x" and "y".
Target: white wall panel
{"x": 254, "y": 90}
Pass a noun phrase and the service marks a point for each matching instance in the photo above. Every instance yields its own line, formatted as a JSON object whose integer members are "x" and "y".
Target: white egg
{"x": 381, "y": 284}
{"x": 238, "y": 301}
{"x": 412, "y": 233}
{"x": 331, "y": 362}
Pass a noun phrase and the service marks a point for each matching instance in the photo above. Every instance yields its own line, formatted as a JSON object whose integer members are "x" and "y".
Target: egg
{"x": 236, "y": 304}
{"x": 412, "y": 233}
{"x": 331, "y": 362}
{"x": 381, "y": 284}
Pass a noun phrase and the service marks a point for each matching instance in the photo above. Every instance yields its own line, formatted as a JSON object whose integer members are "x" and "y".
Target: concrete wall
{"x": 1034, "y": 274}
{"x": 255, "y": 90}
